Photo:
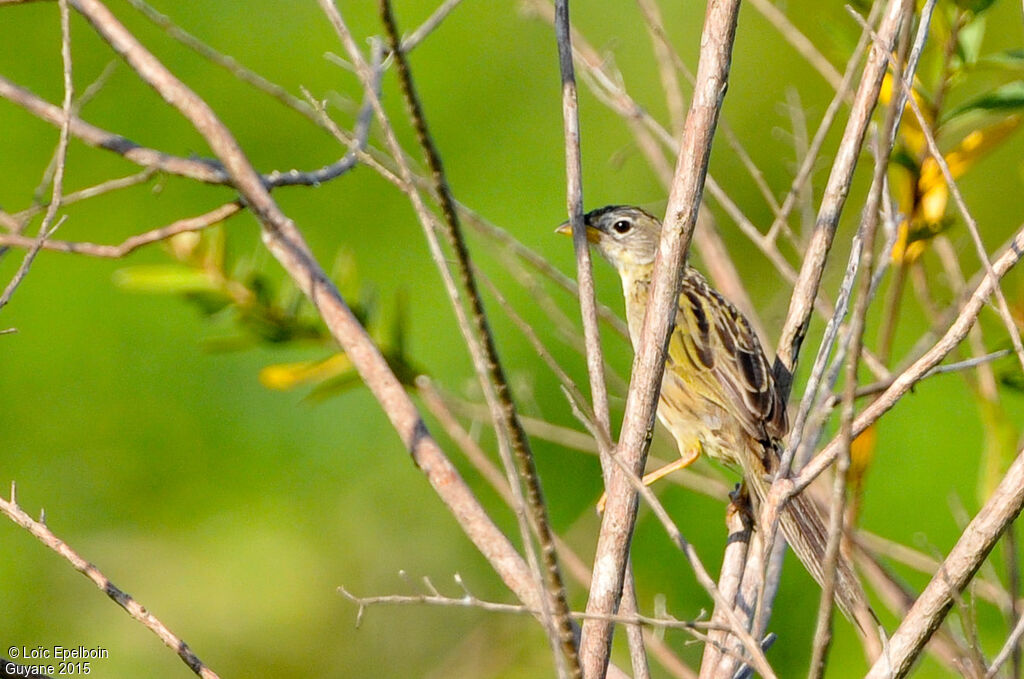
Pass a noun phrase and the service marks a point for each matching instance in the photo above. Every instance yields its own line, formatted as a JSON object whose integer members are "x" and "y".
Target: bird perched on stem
{"x": 718, "y": 395}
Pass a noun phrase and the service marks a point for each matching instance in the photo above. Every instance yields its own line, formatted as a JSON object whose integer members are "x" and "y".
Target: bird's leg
{"x": 740, "y": 502}
{"x": 685, "y": 460}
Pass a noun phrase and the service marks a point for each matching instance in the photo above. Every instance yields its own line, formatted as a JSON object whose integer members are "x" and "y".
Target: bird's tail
{"x": 805, "y": 530}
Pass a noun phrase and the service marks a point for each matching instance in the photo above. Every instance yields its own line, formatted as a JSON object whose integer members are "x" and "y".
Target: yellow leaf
{"x": 933, "y": 193}
{"x": 284, "y": 376}
{"x": 910, "y": 131}
{"x": 970, "y": 149}
{"x": 862, "y": 452}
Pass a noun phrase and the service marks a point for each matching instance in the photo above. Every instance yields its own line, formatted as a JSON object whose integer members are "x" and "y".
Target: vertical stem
{"x": 648, "y": 366}
{"x": 836, "y": 191}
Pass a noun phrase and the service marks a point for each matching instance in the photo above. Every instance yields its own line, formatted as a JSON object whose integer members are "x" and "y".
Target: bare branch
{"x": 836, "y": 191}
{"x": 649, "y": 364}
{"x": 207, "y": 171}
{"x": 1007, "y": 650}
{"x": 574, "y": 201}
{"x": 561, "y": 628}
{"x": 855, "y": 341}
{"x": 228, "y": 63}
{"x": 129, "y": 245}
{"x": 132, "y": 607}
{"x": 286, "y": 243}
{"x": 915, "y": 372}
{"x": 588, "y": 303}
{"x": 956, "y": 571}
{"x": 470, "y": 600}
{"x": 48, "y": 226}
{"x": 19, "y": 219}
{"x": 431, "y": 23}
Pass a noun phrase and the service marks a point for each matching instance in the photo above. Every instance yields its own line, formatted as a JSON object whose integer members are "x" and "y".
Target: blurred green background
{"x": 233, "y": 512}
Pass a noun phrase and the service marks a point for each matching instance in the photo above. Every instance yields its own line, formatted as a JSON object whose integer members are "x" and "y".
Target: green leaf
{"x": 1010, "y": 60}
{"x": 969, "y": 39}
{"x": 1006, "y": 97}
{"x": 164, "y": 279}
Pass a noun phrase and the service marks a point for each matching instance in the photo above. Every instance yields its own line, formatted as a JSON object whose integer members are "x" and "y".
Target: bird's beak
{"x": 593, "y": 235}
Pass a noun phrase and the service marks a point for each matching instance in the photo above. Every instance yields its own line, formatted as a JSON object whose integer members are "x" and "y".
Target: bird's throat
{"x": 636, "y": 285}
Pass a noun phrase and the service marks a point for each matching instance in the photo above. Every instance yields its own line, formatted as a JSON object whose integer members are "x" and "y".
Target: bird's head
{"x": 626, "y": 236}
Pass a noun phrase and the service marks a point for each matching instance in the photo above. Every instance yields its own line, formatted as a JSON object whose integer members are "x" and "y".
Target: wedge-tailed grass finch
{"x": 718, "y": 395}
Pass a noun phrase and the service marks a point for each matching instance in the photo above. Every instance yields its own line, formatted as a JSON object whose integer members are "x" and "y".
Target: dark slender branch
{"x": 204, "y": 170}
{"x": 513, "y": 427}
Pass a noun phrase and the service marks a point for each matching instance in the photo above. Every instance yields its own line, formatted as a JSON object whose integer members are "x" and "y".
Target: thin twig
{"x": 964, "y": 559}
{"x": 129, "y": 245}
{"x": 803, "y": 174}
{"x": 914, "y": 373}
{"x": 77, "y": 105}
{"x": 48, "y": 226}
{"x": 799, "y": 42}
{"x": 228, "y": 63}
{"x": 140, "y": 177}
{"x": 132, "y": 607}
{"x": 958, "y": 366}
{"x": 876, "y": 545}
{"x": 1008, "y": 649}
{"x": 469, "y": 600}
{"x": 836, "y": 190}
{"x": 667, "y": 58}
{"x": 431, "y": 23}
{"x": 574, "y": 202}
{"x": 204, "y": 170}
{"x": 855, "y": 340}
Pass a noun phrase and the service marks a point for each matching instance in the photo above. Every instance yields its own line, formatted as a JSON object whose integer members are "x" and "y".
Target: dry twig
{"x": 959, "y": 567}
{"x": 132, "y": 607}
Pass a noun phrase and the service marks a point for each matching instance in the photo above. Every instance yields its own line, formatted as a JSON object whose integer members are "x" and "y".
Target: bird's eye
{"x": 622, "y": 226}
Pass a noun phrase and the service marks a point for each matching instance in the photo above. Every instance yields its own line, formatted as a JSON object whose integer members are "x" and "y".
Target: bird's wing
{"x": 725, "y": 352}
